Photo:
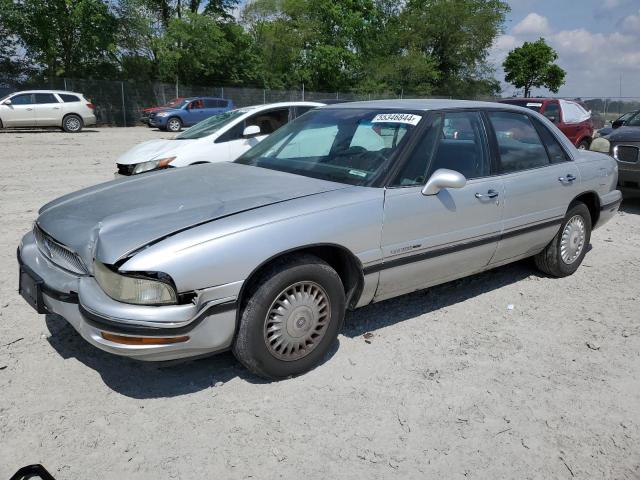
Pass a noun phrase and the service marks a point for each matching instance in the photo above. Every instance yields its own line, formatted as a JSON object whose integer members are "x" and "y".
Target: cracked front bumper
{"x": 209, "y": 322}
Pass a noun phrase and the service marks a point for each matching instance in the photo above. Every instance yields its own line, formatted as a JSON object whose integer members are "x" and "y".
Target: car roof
{"x": 47, "y": 91}
{"x": 264, "y": 106}
{"x": 423, "y": 104}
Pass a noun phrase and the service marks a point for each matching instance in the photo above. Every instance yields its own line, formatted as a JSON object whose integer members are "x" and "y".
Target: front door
{"x": 431, "y": 239}
{"x": 21, "y": 112}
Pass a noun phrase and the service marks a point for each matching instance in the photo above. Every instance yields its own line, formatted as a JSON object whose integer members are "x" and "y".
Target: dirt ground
{"x": 507, "y": 374}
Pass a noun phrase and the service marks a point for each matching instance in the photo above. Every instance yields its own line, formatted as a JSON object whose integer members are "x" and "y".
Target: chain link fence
{"x": 120, "y": 103}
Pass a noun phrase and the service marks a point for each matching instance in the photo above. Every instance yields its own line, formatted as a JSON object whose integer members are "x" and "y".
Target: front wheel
{"x": 291, "y": 318}
{"x": 174, "y": 124}
{"x": 72, "y": 124}
{"x": 565, "y": 253}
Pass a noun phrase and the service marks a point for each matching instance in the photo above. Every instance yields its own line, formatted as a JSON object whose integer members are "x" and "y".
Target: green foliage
{"x": 532, "y": 65}
{"x": 67, "y": 37}
{"x": 419, "y": 47}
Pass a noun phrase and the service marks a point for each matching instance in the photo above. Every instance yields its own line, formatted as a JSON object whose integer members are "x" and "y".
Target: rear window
{"x": 69, "y": 98}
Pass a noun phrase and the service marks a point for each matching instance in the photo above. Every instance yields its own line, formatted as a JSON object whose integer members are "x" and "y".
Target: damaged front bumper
{"x": 206, "y": 325}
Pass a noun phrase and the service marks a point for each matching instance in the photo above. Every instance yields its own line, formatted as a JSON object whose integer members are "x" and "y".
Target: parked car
{"x": 220, "y": 138}
{"x": 188, "y": 112}
{"x": 621, "y": 121}
{"x": 624, "y": 146}
{"x": 572, "y": 118}
{"x": 347, "y": 205}
{"x": 147, "y": 111}
{"x": 70, "y": 111}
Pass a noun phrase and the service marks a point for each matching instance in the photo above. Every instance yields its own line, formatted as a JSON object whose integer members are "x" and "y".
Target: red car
{"x": 146, "y": 111}
{"x": 570, "y": 117}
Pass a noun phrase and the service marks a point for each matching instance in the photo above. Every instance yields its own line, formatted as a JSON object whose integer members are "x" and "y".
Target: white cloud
{"x": 532, "y": 24}
{"x": 593, "y": 61}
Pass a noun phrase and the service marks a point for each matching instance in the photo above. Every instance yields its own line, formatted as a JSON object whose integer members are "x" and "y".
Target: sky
{"x": 597, "y": 41}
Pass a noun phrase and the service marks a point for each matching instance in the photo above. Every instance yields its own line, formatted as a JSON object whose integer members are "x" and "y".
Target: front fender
{"x": 228, "y": 250}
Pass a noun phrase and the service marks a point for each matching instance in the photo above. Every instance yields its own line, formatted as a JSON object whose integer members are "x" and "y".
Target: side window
{"x": 552, "y": 112}
{"x": 554, "y": 149}
{"x": 66, "y": 98}
{"x": 46, "y": 98}
{"x": 196, "y": 104}
{"x": 518, "y": 142}
{"x": 462, "y": 146}
{"x": 414, "y": 171}
{"x": 234, "y": 133}
{"x": 269, "y": 122}
{"x": 24, "y": 99}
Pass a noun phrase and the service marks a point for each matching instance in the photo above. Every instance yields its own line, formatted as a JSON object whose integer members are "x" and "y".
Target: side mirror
{"x": 601, "y": 145}
{"x": 251, "y": 131}
{"x": 7, "y": 102}
{"x": 443, "y": 178}
{"x": 617, "y": 124}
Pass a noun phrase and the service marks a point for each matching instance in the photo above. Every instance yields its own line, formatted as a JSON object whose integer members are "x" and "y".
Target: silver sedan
{"x": 347, "y": 205}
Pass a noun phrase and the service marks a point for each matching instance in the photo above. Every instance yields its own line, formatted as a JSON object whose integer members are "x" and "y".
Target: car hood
{"x": 113, "y": 219}
{"x": 625, "y": 134}
{"x": 160, "y": 148}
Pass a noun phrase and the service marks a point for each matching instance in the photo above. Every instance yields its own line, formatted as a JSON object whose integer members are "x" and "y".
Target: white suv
{"x": 46, "y": 108}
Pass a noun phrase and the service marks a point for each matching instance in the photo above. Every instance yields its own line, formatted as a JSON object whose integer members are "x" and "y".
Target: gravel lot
{"x": 453, "y": 383}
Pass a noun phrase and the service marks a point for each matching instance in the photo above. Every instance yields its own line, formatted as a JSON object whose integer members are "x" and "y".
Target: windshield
{"x": 634, "y": 121}
{"x": 210, "y": 125}
{"x": 174, "y": 103}
{"x": 346, "y": 145}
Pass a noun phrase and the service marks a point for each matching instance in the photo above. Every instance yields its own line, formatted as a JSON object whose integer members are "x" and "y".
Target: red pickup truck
{"x": 570, "y": 117}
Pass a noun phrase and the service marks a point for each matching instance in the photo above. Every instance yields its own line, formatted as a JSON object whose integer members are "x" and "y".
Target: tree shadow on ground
{"x": 141, "y": 380}
{"x": 6, "y": 131}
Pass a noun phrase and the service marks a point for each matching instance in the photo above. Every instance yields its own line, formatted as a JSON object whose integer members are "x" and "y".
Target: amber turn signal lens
{"x": 142, "y": 340}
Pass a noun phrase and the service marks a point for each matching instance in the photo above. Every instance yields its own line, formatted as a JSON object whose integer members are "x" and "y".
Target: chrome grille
{"x": 59, "y": 254}
{"x": 626, "y": 153}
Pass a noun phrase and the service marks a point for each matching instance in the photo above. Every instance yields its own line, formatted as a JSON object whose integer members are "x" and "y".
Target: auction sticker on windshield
{"x": 409, "y": 118}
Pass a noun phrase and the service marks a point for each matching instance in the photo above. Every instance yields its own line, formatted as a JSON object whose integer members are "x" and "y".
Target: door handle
{"x": 567, "y": 179}
{"x": 489, "y": 194}
{"x": 29, "y": 109}
{"x": 56, "y": 108}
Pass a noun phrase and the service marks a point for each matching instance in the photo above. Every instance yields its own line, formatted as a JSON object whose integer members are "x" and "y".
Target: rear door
{"x": 21, "y": 112}
{"x": 430, "y": 239}
{"x": 540, "y": 180}
{"x": 196, "y": 112}
{"x": 48, "y": 110}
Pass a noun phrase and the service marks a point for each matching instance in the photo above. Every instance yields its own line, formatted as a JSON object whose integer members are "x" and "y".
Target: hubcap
{"x": 297, "y": 321}
{"x": 174, "y": 125}
{"x": 73, "y": 123}
{"x": 573, "y": 238}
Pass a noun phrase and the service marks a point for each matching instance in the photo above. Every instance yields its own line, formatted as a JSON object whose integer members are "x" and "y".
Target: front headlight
{"x": 162, "y": 114}
{"x": 136, "y": 290}
{"x": 152, "y": 165}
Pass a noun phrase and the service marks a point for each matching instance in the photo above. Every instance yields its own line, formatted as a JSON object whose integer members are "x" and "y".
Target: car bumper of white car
{"x": 609, "y": 205}
{"x": 89, "y": 120}
{"x": 204, "y": 326}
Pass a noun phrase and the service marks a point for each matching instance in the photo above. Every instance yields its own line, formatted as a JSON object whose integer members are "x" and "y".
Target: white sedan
{"x": 221, "y": 138}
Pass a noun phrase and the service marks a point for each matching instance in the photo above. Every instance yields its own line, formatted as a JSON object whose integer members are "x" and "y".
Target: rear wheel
{"x": 72, "y": 124}
{"x": 174, "y": 124}
{"x": 291, "y": 318}
{"x": 584, "y": 145}
{"x": 565, "y": 253}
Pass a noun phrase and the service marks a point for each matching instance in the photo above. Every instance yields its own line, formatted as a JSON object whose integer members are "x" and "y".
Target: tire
{"x": 271, "y": 348}
{"x": 584, "y": 145}
{"x": 72, "y": 123}
{"x": 561, "y": 257}
{"x": 174, "y": 124}
{"x": 1, "y": 125}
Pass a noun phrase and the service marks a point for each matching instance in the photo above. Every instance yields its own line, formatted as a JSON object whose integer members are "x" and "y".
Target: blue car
{"x": 188, "y": 112}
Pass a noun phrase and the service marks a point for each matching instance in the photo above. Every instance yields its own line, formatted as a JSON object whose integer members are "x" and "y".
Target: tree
{"x": 67, "y": 37}
{"x": 532, "y": 65}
